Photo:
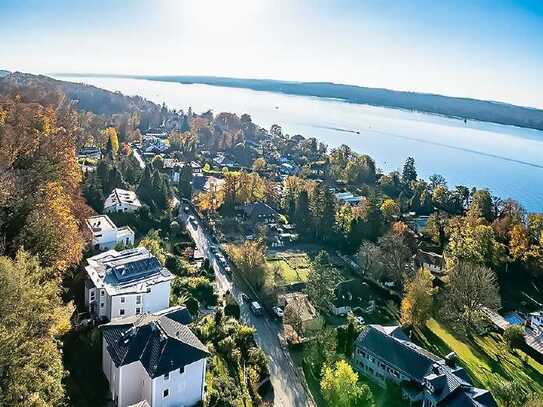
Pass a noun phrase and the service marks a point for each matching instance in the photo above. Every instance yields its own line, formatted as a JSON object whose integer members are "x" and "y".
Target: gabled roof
{"x": 392, "y": 345}
{"x": 450, "y": 386}
{"x": 119, "y": 195}
{"x": 259, "y": 209}
{"x": 158, "y": 341}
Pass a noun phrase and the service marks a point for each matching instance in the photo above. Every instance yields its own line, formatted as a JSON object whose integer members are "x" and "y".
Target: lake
{"x": 505, "y": 159}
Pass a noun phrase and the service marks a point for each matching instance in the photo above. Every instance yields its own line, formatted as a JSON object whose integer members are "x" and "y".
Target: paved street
{"x": 288, "y": 380}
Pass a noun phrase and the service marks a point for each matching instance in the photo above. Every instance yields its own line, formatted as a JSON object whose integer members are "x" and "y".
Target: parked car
{"x": 256, "y": 308}
{"x": 278, "y": 312}
{"x": 245, "y": 297}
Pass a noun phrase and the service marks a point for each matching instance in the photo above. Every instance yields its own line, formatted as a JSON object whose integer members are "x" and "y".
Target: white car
{"x": 278, "y": 311}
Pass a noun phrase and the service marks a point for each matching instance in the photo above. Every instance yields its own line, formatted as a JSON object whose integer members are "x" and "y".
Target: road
{"x": 290, "y": 388}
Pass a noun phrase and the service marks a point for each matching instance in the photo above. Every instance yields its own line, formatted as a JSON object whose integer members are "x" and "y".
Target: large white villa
{"x": 129, "y": 282}
{"x": 154, "y": 360}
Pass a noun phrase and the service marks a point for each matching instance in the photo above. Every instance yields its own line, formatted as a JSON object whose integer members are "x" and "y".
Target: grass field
{"x": 294, "y": 268}
{"x": 485, "y": 358}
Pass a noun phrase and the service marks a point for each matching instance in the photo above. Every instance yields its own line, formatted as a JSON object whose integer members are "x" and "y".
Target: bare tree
{"x": 471, "y": 287}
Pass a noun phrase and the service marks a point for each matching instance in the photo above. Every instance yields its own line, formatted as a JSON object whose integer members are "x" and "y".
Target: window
{"x": 102, "y": 305}
{"x": 122, "y": 300}
{"x": 165, "y": 393}
{"x": 167, "y": 376}
{"x": 138, "y": 299}
{"x": 121, "y": 311}
{"x": 92, "y": 295}
{"x": 102, "y": 293}
{"x": 138, "y": 310}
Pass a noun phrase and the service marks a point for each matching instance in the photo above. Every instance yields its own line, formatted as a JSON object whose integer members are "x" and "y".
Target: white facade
{"x": 536, "y": 320}
{"x": 112, "y": 292}
{"x": 106, "y": 235}
{"x": 131, "y": 384}
{"x": 121, "y": 200}
{"x": 155, "y": 298}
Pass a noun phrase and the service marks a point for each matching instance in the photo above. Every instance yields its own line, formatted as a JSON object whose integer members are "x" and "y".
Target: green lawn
{"x": 293, "y": 269}
{"x": 485, "y": 358}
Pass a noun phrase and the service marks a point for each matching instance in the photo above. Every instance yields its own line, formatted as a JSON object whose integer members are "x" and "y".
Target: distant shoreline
{"x": 452, "y": 107}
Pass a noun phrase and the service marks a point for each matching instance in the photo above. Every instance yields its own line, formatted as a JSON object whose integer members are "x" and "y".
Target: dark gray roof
{"x": 159, "y": 341}
{"x": 259, "y": 209}
{"x": 348, "y": 291}
{"x": 452, "y": 386}
{"x": 397, "y": 350}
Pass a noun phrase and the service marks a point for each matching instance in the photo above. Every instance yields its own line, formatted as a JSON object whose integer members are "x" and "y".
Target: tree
{"x": 321, "y": 350}
{"x": 416, "y": 306}
{"x": 510, "y": 393}
{"x": 152, "y": 242}
{"x": 250, "y": 261}
{"x": 470, "y": 288}
{"x": 340, "y": 387}
{"x": 52, "y": 230}
{"x": 474, "y": 242}
{"x": 112, "y": 140}
{"x": 30, "y": 358}
{"x": 519, "y": 244}
{"x": 409, "y": 172}
{"x": 321, "y": 283}
{"x": 259, "y": 164}
{"x": 185, "y": 181}
{"x": 513, "y": 337}
{"x": 390, "y": 209}
{"x": 394, "y": 258}
{"x": 367, "y": 258}
{"x": 481, "y": 205}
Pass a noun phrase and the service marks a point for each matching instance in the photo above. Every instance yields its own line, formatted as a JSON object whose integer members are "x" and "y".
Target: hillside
{"x": 3, "y": 73}
{"x": 83, "y": 97}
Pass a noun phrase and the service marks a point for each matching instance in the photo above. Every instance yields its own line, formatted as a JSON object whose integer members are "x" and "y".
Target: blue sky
{"x": 475, "y": 48}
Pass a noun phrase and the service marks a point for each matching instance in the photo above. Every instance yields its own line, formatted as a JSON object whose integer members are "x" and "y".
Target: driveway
{"x": 290, "y": 387}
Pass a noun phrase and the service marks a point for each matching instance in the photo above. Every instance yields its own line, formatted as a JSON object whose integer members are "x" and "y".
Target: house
{"x": 93, "y": 153}
{"x": 535, "y": 320}
{"x": 385, "y": 353}
{"x": 300, "y": 314}
{"x": 221, "y": 160}
{"x": 260, "y": 212}
{"x": 431, "y": 261}
{"x": 348, "y": 294}
{"x": 289, "y": 168}
{"x": 121, "y": 200}
{"x": 124, "y": 283}
{"x": 154, "y": 145}
{"x": 154, "y": 360}
{"x": 105, "y": 235}
{"x": 203, "y": 183}
{"x": 349, "y": 198}
{"x": 196, "y": 167}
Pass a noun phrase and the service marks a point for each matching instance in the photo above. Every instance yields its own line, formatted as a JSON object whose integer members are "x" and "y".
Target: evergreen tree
{"x": 185, "y": 181}
{"x": 93, "y": 192}
{"x": 409, "y": 172}
{"x": 145, "y": 188}
{"x": 302, "y": 215}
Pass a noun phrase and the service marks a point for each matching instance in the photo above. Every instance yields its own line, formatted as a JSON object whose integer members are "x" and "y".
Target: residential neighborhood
{"x": 198, "y": 259}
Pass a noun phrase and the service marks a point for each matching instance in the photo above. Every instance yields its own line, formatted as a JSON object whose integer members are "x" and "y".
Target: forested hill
{"x": 473, "y": 109}
{"x": 84, "y": 97}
